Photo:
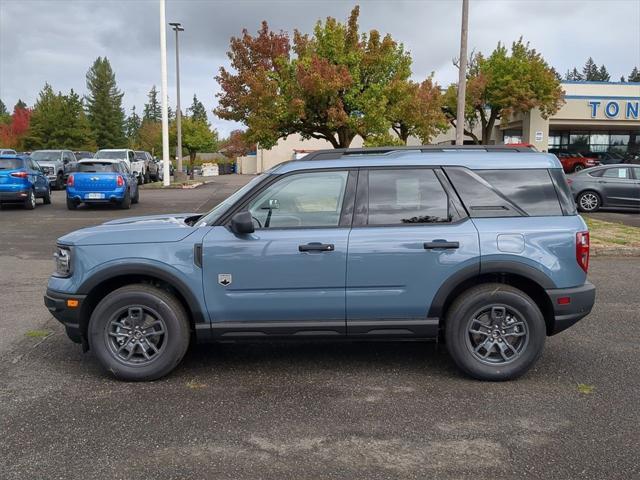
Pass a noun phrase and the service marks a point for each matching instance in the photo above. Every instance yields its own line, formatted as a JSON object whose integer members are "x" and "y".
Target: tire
{"x": 59, "y": 181}
{"x": 136, "y": 197}
{"x": 147, "y": 177}
{"x": 30, "y": 201}
{"x": 71, "y": 205}
{"x": 125, "y": 203}
{"x": 154, "y": 310}
{"x": 140, "y": 179}
{"x": 578, "y": 168}
{"x": 46, "y": 199}
{"x": 522, "y": 325}
{"x": 589, "y": 201}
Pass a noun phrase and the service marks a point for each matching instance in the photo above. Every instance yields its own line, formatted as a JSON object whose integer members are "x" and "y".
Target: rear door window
{"x": 622, "y": 173}
{"x": 406, "y": 196}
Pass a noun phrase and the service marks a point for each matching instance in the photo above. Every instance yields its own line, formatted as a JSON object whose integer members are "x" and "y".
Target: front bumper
{"x": 579, "y": 305}
{"x": 70, "y": 317}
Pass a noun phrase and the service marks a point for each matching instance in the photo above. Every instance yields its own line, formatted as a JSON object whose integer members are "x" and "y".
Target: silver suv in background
{"x": 137, "y": 166}
{"x": 55, "y": 164}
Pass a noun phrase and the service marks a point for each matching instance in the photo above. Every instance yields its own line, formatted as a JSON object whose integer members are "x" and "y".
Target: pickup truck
{"x": 137, "y": 166}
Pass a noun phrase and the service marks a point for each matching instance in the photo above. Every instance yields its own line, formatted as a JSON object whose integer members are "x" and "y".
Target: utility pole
{"x": 462, "y": 74}
{"x": 177, "y": 27}
{"x": 163, "y": 95}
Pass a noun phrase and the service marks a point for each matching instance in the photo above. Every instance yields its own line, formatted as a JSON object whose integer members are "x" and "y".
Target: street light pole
{"x": 163, "y": 95}
{"x": 462, "y": 74}
{"x": 177, "y": 27}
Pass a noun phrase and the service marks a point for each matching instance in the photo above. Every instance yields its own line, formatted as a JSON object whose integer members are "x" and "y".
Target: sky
{"x": 56, "y": 41}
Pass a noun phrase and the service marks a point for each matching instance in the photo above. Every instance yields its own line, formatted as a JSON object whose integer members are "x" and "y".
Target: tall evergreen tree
{"x": 197, "y": 110}
{"x": 573, "y": 75}
{"x": 622, "y": 79}
{"x": 603, "y": 75}
{"x": 152, "y": 109}
{"x": 590, "y": 70}
{"x": 3, "y": 108}
{"x": 634, "y": 76}
{"x": 20, "y": 104}
{"x": 132, "y": 126}
{"x": 104, "y": 105}
{"x": 5, "y": 116}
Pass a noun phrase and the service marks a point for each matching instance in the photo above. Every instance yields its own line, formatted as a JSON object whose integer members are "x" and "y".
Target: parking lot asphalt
{"x": 311, "y": 410}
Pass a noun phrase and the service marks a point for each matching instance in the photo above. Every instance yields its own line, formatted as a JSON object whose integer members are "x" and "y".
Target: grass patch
{"x": 585, "y": 389}
{"x": 605, "y": 234}
{"x": 195, "y": 385}
{"x": 37, "y": 333}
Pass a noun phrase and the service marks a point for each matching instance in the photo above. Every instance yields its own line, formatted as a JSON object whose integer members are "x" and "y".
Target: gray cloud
{"x": 56, "y": 41}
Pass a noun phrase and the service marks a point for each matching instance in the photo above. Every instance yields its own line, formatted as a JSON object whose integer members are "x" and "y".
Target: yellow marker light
{"x": 72, "y": 303}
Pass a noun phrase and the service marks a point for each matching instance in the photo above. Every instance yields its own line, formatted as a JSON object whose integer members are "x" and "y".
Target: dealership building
{"x": 596, "y": 117}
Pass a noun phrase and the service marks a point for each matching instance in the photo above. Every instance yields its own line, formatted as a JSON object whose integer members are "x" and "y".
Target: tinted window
{"x": 94, "y": 167}
{"x": 301, "y": 200}
{"x": 616, "y": 173}
{"x": 636, "y": 171}
{"x": 10, "y": 163}
{"x": 406, "y": 196}
{"x": 500, "y": 193}
{"x": 118, "y": 154}
{"x": 564, "y": 192}
{"x": 141, "y": 156}
{"x": 52, "y": 156}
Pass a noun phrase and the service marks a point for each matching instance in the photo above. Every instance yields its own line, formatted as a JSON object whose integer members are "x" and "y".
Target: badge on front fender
{"x": 224, "y": 279}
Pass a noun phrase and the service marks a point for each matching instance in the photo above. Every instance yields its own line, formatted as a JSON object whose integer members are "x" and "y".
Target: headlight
{"x": 63, "y": 261}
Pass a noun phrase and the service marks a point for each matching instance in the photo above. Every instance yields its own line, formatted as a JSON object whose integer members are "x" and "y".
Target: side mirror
{"x": 242, "y": 223}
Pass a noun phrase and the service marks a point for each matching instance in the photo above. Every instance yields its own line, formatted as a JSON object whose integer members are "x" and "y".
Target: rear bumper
{"x": 581, "y": 300}
{"x": 109, "y": 196}
{"x": 17, "y": 195}
{"x": 70, "y": 317}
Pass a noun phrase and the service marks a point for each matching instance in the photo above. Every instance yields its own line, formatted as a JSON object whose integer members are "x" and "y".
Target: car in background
{"x": 102, "y": 181}
{"x": 608, "y": 158}
{"x": 7, "y": 151}
{"x": 81, "y": 154}
{"x": 126, "y": 155}
{"x": 574, "y": 162}
{"x": 151, "y": 168}
{"x": 606, "y": 186}
{"x": 22, "y": 181}
{"x": 55, "y": 163}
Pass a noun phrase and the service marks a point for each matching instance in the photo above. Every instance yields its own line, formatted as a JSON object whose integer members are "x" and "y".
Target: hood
{"x": 148, "y": 229}
{"x": 48, "y": 163}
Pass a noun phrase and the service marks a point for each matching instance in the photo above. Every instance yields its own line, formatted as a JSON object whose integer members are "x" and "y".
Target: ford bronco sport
{"x": 481, "y": 247}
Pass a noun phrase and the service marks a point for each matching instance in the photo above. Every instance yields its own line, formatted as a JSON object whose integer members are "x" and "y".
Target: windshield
{"x": 141, "y": 156}
{"x": 94, "y": 167}
{"x": 46, "y": 156}
{"x": 222, "y": 207}
{"x": 10, "y": 163}
{"x": 112, "y": 155}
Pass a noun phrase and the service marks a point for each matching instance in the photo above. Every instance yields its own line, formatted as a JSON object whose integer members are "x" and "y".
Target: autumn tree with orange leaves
{"x": 333, "y": 85}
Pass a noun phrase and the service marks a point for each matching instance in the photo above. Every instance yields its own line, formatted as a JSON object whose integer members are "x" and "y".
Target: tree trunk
{"x": 345, "y": 136}
{"x": 487, "y": 126}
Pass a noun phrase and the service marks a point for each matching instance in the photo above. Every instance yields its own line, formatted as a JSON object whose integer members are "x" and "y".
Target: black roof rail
{"x": 337, "y": 153}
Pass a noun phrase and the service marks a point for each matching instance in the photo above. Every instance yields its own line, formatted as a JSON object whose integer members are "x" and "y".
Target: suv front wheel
{"x": 139, "y": 332}
{"x": 495, "y": 332}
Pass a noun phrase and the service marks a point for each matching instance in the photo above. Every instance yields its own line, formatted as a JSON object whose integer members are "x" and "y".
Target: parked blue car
{"x": 22, "y": 181}
{"x": 102, "y": 181}
{"x": 480, "y": 247}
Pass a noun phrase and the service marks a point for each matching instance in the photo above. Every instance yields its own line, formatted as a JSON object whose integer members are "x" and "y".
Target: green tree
{"x": 5, "y": 116}
{"x": 603, "y": 75}
{"x": 634, "y": 76}
{"x": 150, "y": 137}
{"x": 333, "y": 84}
{"x": 573, "y": 75}
{"x": 506, "y": 83}
{"x": 59, "y": 121}
{"x": 104, "y": 105}
{"x": 197, "y": 136}
{"x": 131, "y": 127}
{"x": 152, "y": 109}
{"x": 197, "y": 110}
{"x": 20, "y": 104}
{"x": 590, "y": 71}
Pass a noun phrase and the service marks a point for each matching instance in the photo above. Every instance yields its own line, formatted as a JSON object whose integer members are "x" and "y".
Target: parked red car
{"x": 574, "y": 162}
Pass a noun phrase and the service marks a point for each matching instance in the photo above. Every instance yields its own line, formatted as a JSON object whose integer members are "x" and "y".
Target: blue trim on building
{"x": 593, "y": 82}
{"x": 600, "y": 97}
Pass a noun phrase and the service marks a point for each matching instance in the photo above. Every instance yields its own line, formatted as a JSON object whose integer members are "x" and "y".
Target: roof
{"x": 489, "y": 157}
{"x": 99, "y": 160}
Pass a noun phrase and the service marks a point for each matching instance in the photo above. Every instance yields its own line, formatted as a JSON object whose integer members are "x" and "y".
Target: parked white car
{"x": 127, "y": 156}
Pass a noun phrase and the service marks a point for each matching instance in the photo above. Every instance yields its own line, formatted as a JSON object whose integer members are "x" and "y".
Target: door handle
{"x": 317, "y": 247}
{"x": 436, "y": 244}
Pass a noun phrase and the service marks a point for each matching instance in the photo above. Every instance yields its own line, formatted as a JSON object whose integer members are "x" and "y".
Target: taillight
{"x": 20, "y": 174}
{"x": 120, "y": 181}
{"x": 582, "y": 250}
{"x": 70, "y": 181}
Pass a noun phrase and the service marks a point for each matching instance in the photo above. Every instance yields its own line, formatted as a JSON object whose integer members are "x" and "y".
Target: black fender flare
{"x": 436, "y": 310}
{"x": 149, "y": 270}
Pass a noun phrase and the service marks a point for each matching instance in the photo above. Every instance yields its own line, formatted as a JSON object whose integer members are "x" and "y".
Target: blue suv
{"x": 481, "y": 247}
{"x": 22, "y": 180}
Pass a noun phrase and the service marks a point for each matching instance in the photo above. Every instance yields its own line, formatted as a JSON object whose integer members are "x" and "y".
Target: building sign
{"x": 539, "y": 136}
{"x": 627, "y": 109}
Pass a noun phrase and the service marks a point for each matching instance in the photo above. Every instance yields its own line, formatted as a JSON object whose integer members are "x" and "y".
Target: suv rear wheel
{"x": 589, "y": 201}
{"x": 139, "y": 332}
{"x": 495, "y": 332}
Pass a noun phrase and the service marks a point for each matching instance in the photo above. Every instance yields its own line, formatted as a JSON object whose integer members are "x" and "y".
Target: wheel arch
{"x": 521, "y": 276}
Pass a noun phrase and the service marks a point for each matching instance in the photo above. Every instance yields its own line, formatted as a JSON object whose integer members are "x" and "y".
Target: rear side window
{"x": 10, "y": 163}
{"x": 406, "y": 196}
{"x": 95, "y": 167}
{"x": 506, "y": 193}
{"x": 616, "y": 173}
